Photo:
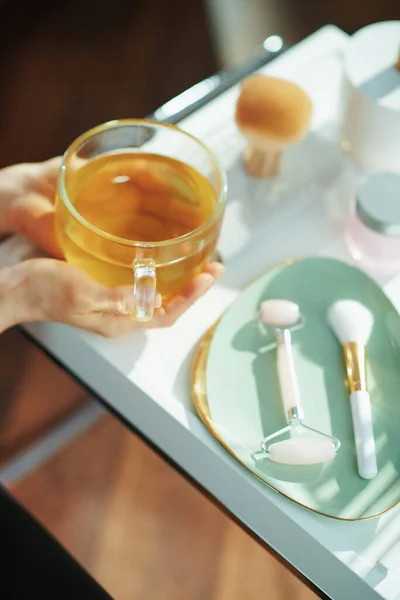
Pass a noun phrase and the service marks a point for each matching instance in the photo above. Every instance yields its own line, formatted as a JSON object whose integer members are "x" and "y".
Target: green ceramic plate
{"x": 236, "y": 389}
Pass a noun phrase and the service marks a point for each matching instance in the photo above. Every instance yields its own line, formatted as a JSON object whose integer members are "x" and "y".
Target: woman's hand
{"x": 50, "y": 290}
{"x": 27, "y": 194}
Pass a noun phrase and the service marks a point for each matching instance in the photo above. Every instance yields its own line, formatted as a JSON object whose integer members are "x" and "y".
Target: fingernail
{"x": 158, "y": 301}
{"x": 126, "y": 303}
{"x": 208, "y": 280}
{"x": 220, "y": 269}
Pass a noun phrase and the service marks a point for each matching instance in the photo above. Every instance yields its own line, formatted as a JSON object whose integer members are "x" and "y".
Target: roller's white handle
{"x": 363, "y": 434}
{"x": 287, "y": 377}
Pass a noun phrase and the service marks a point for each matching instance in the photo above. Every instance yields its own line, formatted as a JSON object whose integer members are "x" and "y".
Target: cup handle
{"x": 144, "y": 289}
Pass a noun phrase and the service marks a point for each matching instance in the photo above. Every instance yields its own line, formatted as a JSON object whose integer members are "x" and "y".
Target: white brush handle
{"x": 287, "y": 376}
{"x": 363, "y": 434}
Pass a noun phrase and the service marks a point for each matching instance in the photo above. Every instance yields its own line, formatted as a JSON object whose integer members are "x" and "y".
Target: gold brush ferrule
{"x": 355, "y": 359}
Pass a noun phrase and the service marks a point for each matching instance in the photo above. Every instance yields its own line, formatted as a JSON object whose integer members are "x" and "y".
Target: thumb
{"x": 33, "y": 217}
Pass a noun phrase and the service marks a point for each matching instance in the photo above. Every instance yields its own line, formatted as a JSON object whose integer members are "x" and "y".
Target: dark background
{"x": 68, "y": 65}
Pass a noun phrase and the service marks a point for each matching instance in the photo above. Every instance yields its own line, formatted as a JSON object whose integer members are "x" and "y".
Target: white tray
{"x": 146, "y": 377}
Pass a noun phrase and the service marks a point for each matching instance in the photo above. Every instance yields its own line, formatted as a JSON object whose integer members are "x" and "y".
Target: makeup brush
{"x": 272, "y": 114}
{"x": 352, "y": 324}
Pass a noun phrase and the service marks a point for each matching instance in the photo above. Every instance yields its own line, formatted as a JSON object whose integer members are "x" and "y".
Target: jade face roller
{"x": 306, "y": 445}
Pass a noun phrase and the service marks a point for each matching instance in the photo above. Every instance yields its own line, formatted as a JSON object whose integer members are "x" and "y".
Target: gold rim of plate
{"x": 199, "y": 394}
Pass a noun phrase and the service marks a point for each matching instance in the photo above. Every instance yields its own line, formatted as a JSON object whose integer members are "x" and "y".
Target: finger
{"x": 48, "y": 170}
{"x": 199, "y": 285}
{"x": 114, "y": 325}
{"x": 216, "y": 269}
{"x": 46, "y": 176}
{"x": 181, "y": 303}
{"x": 33, "y": 217}
{"x": 111, "y": 307}
{"x": 118, "y": 300}
{"x": 158, "y": 301}
{"x": 56, "y": 291}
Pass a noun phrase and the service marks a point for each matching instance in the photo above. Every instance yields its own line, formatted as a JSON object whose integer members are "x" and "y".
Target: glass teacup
{"x": 140, "y": 202}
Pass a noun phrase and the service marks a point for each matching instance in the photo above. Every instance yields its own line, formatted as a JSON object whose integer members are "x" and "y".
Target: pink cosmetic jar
{"x": 373, "y": 228}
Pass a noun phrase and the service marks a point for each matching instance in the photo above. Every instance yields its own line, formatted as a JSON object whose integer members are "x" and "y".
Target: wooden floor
{"x": 143, "y": 531}
{"x": 35, "y": 395}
